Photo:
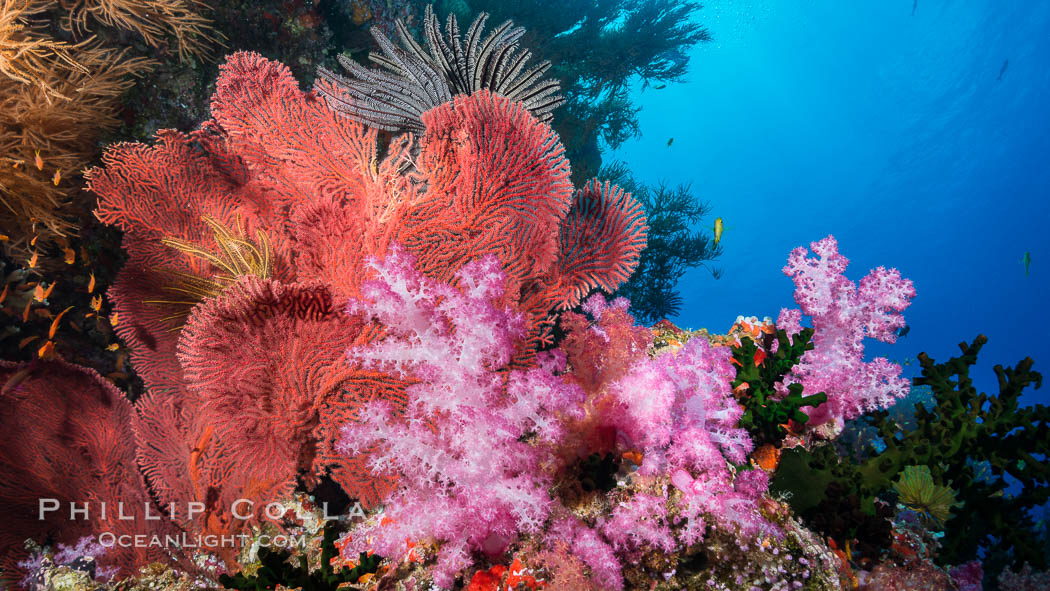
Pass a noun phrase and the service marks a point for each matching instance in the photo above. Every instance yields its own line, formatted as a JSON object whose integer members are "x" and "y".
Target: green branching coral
{"x": 917, "y": 491}
{"x": 275, "y": 569}
{"x": 988, "y": 448}
{"x": 765, "y": 411}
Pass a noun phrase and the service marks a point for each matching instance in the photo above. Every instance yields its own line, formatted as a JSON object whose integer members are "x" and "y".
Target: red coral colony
{"x": 398, "y": 342}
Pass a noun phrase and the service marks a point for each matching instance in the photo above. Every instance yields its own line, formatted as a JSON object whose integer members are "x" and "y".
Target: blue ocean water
{"x": 889, "y": 130}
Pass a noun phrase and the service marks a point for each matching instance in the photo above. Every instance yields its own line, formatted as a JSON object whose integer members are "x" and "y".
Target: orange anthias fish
{"x": 792, "y": 428}
{"x": 760, "y": 356}
{"x": 413, "y": 556}
{"x": 38, "y": 161}
{"x": 54, "y": 323}
{"x": 47, "y": 351}
{"x": 57, "y": 178}
{"x": 634, "y": 457}
{"x": 753, "y": 327}
{"x": 40, "y": 294}
{"x": 71, "y": 255}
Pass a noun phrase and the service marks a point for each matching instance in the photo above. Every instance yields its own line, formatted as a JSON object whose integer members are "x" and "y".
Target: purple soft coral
{"x": 843, "y": 316}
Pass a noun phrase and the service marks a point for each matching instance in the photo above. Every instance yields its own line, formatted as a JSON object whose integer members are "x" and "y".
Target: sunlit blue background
{"x": 890, "y": 131}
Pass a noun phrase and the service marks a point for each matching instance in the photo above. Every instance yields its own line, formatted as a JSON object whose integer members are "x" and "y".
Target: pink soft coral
{"x": 469, "y": 480}
{"x": 640, "y": 520}
{"x": 679, "y": 410}
{"x": 590, "y": 548}
{"x": 843, "y": 316}
{"x": 480, "y": 440}
{"x": 673, "y": 402}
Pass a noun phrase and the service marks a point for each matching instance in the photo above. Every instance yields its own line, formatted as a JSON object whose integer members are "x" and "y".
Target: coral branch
{"x": 600, "y": 241}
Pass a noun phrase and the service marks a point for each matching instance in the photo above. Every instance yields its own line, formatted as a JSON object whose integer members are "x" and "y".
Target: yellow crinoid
{"x": 917, "y": 491}
{"x": 234, "y": 257}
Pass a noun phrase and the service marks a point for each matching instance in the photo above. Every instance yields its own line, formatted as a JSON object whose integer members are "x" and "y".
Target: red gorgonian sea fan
{"x": 257, "y": 367}
{"x": 65, "y": 438}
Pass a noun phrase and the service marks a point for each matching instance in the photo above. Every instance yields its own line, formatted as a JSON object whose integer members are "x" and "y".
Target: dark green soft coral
{"x": 961, "y": 432}
{"x": 764, "y": 409}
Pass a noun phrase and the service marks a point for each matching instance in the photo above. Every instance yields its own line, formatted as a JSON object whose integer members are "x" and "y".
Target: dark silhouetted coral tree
{"x": 598, "y": 49}
{"x": 674, "y": 245}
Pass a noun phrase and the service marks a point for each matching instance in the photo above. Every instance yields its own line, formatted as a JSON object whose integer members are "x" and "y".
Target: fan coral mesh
{"x": 270, "y": 405}
{"x": 600, "y": 241}
{"x": 65, "y": 434}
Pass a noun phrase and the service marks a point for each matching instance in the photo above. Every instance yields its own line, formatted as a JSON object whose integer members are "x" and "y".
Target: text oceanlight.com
{"x": 108, "y": 540}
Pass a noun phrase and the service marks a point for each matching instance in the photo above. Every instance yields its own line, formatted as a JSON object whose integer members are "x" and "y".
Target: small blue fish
{"x": 1006, "y": 64}
{"x": 914, "y": 5}
{"x": 903, "y": 331}
{"x": 669, "y": 142}
{"x": 1027, "y": 260}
